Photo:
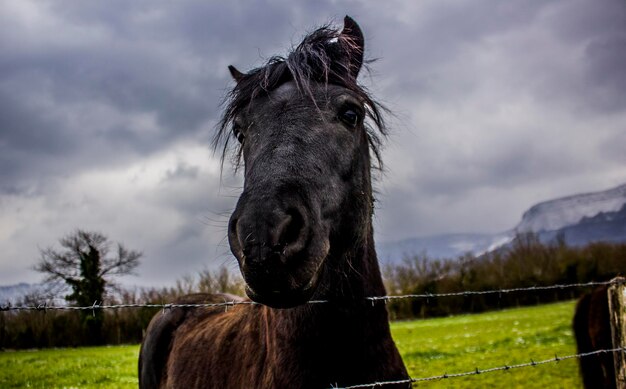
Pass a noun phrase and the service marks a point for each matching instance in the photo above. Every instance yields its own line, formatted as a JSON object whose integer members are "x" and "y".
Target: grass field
{"x": 429, "y": 347}
{"x": 462, "y": 343}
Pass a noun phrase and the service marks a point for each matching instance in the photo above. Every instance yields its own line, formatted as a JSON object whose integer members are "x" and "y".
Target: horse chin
{"x": 281, "y": 299}
{"x": 287, "y": 297}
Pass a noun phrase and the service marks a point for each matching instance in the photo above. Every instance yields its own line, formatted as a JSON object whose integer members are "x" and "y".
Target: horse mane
{"x": 325, "y": 57}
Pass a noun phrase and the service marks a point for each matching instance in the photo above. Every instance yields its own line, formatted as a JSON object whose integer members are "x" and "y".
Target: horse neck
{"x": 342, "y": 337}
{"x": 356, "y": 274}
{"x": 353, "y": 273}
{"x": 345, "y": 336}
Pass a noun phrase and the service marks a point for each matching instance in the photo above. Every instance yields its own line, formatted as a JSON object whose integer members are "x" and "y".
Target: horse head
{"x": 301, "y": 124}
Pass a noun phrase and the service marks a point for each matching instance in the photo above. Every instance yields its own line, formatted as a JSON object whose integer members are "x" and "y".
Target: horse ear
{"x": 355, "y": 44}
{"x": 236, "y": 74}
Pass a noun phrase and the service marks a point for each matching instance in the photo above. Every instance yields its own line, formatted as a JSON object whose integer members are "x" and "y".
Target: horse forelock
{"x": 324, "y": 57}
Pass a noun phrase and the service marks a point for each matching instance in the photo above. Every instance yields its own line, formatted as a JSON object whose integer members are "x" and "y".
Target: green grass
{"x": 85, "y": 367}
{"x": 462, "y": 343}
{"x": 429, "y": 347}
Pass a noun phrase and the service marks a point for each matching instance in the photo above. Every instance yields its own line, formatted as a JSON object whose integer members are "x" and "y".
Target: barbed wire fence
{"x": 374, "y": 300}
{"x": 478, "y": 371}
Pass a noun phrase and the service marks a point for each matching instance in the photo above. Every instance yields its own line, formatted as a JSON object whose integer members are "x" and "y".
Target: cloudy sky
{"x": 107, "y": 110}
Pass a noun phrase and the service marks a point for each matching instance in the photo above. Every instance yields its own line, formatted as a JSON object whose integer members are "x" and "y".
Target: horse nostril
{"x": 290, "y": 234}
{"x": 294, "y": 227}
{"x": 233, "y": 236}
{"x": 256, "y": 237}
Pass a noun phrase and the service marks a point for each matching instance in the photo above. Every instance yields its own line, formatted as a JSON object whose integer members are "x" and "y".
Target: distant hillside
{"x": 13, "y": 293}
{"x": 580, "y": 219}
{"x": 560, "y": 213}
{"x": 440, "y": 246}
{"x": 16, "y": 293}
{"x": 605, "y": 226}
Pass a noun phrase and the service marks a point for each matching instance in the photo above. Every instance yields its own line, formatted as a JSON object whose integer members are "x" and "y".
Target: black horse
{"x": 592, "y": 329}
{"x": 301, "y": 231}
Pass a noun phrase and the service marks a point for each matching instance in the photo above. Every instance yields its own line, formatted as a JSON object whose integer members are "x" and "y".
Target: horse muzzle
{"x": 280, "y": 254}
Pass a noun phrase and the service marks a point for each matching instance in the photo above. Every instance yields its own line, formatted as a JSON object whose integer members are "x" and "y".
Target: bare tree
{"x": 87, "y": 264}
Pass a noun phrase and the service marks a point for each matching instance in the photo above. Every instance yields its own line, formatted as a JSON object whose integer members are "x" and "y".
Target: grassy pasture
{"x": 85, "y": 367}
{"x": 429, "y": 347}
{"x": 462, "y": 343}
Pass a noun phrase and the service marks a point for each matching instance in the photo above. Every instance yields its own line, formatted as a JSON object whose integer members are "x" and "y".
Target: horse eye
{"x": 350, "y": 117}
{"x": 237, "y": 132}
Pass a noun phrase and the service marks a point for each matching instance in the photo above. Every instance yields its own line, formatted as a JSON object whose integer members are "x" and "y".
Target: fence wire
{"x": 373, "y": 299}
{"x": 477, "y": 371}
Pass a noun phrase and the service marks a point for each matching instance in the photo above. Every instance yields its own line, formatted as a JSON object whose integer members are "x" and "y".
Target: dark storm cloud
{"x": 48, "y": 92}
{"x": 430, "y": 55}
{"x": 598, "y": 33}
{"x": 497, "y": 103}
{"x": 65, "y": 63}
{"x": 89, "y": 90}
{"x": 605, "y": 75}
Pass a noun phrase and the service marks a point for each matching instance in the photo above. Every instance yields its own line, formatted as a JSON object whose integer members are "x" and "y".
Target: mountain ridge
{"x": 579, "y": 219}
{"x": 563, "y": 211}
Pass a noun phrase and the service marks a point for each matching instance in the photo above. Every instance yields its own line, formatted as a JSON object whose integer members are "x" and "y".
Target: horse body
{"x": 301, "y": 231}
{"x": 592, "y": 329}
{"x": 253, "y": 346}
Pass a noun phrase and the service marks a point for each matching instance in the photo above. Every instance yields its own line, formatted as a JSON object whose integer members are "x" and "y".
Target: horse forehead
{"x": 289, "y": 92}
{"x": 285, "y": 91}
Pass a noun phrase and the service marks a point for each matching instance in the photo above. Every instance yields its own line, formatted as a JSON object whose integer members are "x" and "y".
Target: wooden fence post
{"x": 617, "y": 312}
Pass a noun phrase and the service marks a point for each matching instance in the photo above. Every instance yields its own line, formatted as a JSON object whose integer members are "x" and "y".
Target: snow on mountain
{"x": 579, "y": 219}
{"x": 566, "y": 211}
{"x": 605, "y": 227}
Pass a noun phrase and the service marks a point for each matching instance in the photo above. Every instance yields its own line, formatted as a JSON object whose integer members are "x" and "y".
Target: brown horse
{"x": 301, "y": 231}
{"x": 592, "y": 328}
